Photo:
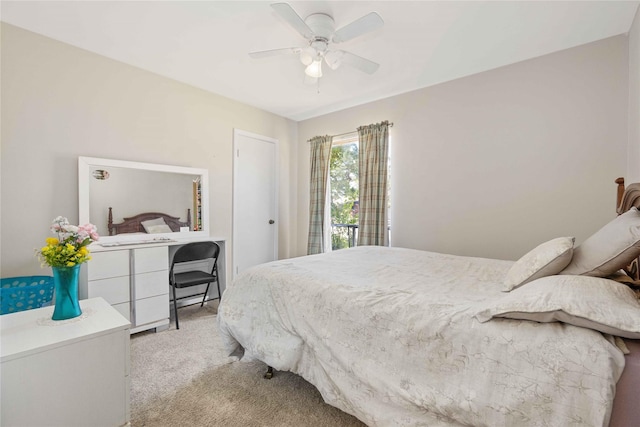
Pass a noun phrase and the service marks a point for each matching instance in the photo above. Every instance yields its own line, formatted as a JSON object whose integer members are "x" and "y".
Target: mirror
{"x": 130, "y": 201}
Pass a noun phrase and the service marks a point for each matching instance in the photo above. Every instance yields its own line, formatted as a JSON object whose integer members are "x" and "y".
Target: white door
{"x": 255, "y": 222}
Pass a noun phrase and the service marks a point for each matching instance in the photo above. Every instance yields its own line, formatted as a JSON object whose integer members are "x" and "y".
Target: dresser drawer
{"x": 152, "y": 309}
{"x": 114, "y": 290}
{"x": 151, "y": 284}
{"x": 150, "y": 259}
{"x": 108, "y": 264}
{"x": 124, "y": 309}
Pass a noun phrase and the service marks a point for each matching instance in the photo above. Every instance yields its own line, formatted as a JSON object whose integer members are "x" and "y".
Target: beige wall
{"x": 488, "y": 165}
{"x": 493, "y": 164}
{"x": 633, "y": 170}
{"x": 60, "y": 102}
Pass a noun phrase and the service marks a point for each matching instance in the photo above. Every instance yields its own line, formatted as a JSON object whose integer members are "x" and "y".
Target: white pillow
{"x": 546, "y": 259}
{"x": 589, "y": 302}
{"x": 611, "y": 248}
{"x": 154, "y": 229}
{"x": 151, "y": 223}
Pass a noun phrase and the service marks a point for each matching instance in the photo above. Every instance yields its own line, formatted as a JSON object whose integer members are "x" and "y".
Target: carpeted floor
{"x": 183, "y": 378}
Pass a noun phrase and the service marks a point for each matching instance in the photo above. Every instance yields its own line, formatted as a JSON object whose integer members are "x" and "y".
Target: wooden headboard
{"x": 627, "y": 198}
{"x": 134, "y": 224}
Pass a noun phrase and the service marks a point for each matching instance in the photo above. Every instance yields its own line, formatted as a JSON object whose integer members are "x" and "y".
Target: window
{"x": 344, "y": 192}
{"x": 343, "y": 184}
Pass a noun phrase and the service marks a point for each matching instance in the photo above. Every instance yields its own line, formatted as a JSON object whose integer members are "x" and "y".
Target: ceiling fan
{"x": 319, "y": 31}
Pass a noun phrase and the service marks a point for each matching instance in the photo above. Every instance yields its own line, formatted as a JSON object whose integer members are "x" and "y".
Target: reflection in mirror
{"x": 125, "y": 199}
{"x": 100, "y": 174}
{"x": 145, "y": 192}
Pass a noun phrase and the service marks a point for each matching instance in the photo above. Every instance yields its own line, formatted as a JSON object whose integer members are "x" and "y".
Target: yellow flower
{"x": 67, "y": 250}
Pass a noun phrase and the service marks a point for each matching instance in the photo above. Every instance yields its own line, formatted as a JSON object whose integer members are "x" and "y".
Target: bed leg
{"x": 269, "y": 373}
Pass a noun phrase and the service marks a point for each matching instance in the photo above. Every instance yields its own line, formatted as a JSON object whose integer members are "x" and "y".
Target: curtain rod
{"x": 353, "y": 131}
{"x": 346, "y": 133}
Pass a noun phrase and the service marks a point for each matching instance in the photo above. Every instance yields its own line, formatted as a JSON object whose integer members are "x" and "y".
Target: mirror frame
{"x": 84, "y": 170}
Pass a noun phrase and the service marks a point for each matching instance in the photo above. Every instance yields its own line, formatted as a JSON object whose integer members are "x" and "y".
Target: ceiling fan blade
{"x": 359, "y": 62}
{"x": 367, "y": 23}
{"x": 274, "y": 52}
{"x": 290, "y": 15}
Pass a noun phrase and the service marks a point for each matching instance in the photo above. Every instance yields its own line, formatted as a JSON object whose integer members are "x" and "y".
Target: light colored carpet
{"x": 183, "y": 378}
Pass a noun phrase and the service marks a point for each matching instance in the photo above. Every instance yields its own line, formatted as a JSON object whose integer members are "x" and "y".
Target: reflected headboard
{"x": 629, "y": 197}
{"x": 134, "y": 224}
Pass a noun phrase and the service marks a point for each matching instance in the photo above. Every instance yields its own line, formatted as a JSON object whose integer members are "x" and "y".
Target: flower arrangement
{"x": 70, "y": 247}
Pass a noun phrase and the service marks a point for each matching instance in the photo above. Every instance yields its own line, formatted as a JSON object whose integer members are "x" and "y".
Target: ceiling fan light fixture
{"x": 307, "y": 55}
{"x": 314, "y": 69}
{"x": 333, "y": 59}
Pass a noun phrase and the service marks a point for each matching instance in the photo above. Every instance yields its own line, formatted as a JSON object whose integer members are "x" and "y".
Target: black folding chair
{"x": 190, "y": 252}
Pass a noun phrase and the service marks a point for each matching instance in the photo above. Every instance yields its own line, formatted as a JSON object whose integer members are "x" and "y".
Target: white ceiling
{"x": 205, "y": 43}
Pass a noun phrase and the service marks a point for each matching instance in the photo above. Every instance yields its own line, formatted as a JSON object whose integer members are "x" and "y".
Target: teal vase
{"x": 65, "y": 281}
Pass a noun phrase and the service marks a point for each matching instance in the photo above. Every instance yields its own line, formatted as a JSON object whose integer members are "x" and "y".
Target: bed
{"x": 401, "y": 337}
{"x": 137, "y": 223}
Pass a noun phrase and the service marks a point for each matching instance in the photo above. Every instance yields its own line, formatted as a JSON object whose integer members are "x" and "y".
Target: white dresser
{"x": 134, "y": 279}
{"x": 65, "y": 373}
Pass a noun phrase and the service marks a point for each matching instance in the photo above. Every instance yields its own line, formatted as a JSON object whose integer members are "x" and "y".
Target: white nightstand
{"x": 68, "y": 373}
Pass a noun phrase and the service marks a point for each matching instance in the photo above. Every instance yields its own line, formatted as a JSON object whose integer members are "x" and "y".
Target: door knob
{"x": 271, "y": 221}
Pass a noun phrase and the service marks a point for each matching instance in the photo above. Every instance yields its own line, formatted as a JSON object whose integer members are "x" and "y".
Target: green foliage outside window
{"x": 343, "y": 175}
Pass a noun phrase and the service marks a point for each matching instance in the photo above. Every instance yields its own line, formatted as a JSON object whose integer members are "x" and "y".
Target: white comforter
{"x": 388, "y": 335}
